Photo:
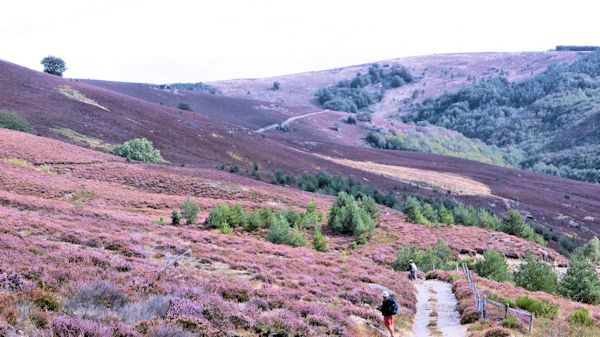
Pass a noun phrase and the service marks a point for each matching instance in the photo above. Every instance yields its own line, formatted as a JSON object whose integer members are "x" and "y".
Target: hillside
{"x": 96, "y": 117}
{"x": 552, "y": 117}
{"x": 76, "y": 207}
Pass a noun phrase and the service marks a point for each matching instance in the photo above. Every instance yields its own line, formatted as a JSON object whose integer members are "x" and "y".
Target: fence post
{"x": 531, "y": 320}
{"x": 506, "y": 306}
{"x": 484, "y": 307}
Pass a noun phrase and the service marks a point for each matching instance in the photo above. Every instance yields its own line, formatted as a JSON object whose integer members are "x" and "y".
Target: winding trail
{"x": 289, "y": 120}
{"x": 437, "y": 297}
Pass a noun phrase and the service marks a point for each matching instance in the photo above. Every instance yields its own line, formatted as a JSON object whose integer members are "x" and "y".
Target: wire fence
{"x": 489, "y": 309}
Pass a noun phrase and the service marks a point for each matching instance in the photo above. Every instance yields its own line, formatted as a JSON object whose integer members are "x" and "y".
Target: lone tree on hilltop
{"x": 54, "y": 65}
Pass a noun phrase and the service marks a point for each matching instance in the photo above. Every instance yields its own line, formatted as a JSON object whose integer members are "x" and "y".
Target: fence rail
{"x": 482, "y": 302}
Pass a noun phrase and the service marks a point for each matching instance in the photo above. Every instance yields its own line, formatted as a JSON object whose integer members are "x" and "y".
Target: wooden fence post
{"x": 531, "y": 320}
{"x": 506, "y": 306}
{"x": 484, "y": 307}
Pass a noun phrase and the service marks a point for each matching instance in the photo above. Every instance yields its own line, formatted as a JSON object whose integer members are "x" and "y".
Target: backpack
{"x": 389, "y": 307}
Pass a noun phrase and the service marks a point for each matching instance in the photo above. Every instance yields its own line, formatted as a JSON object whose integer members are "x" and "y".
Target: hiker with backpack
{"x": 389, "y": 308}
{"x": 413, "y": 271}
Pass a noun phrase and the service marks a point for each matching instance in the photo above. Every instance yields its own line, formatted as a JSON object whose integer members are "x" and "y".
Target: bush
{"x": 319, "y": 241}
{"x": 351, "y": 216}
{"x": 493, "y": 266}
{"x": 189, "y": 211}
{"x": 498, "y": 332}
{"x": 254, "y": 220}
{"x": 581, "y": 317}
{"x": 510, "y": 322}
{"x": 541, "y": 308}
{"x": 46, "y": 301}
{"x": 276, "y": 85}
{"x": 184, "y": 106}
{"x": 514, "y": 224}
{"x": 54, "y": 65}
{"x": 580, "y": 283}
{"x": 592, "y": 250}
{"x": 364, "y": 117}
{"x": 414, "y": 212}
{"x": 140, "y": 149}
{"x": 534, "y": 275}
{"x": 439, "y": 256}
{"x": 175, "y": 218}
{"x": 9, "y": 120}
{"x": 98, "y": 294}
{"x": 279, "y": 231}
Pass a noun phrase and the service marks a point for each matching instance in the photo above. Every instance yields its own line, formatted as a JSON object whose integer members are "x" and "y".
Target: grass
{"x": 9, "y": 120}
{"x": 92, "y": 142}
{"x": 78, "y": 96}
{"x": 24, "y": 163}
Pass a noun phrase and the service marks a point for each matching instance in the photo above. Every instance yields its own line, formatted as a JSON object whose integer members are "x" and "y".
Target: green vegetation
{"x": 358, "y": 217}
{"x": 445, "y": 143}
{"x": 438, "y": 256}
{"x": 9, "y": 120}
{"x": 284, "y": 226}
{"x": 54, "y": 65}
{"x": 592, "y": 250}
{"x": 510, "y": 322}
{"x": 324, "y": 183}
{"x": 550, "y": 117}
{"x": 580, "y": 282}
{"x": 581, "y": 317}
{"x": 184, "y": 106}
{"x": 276, "y": 85}
{"x": 199, "y": 86}
{"x": 175, "y": 218}
{"x": 352, "y": 95}
{"x": 140, "y": 149}
{"x": 319, "y": 241}
{"x": 189, "y": 211}
{"x": 493, "y": 266}
{"x": 535, "y": 275}
{"x": 540, "y": 307}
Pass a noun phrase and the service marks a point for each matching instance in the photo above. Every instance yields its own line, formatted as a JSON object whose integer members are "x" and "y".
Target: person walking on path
{"x": 413, "y": 270}
{"x": 389, "y": 308}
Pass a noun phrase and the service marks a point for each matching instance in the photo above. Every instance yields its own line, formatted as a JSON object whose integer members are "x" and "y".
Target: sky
{"x": 161, "y": 41}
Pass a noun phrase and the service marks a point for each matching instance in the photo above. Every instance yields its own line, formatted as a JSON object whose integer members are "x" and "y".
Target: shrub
{"x": 514, "y": 224}
{"x": 350, "y": 120}
{"x": 276, "y": 85}
{"x": 9, "y": 120}
{"x": 497, "y": 332}
{"x": 541, "y": 308}
{"x": 140, "y": 149}
{"x": 493, "y": 266}
{"x": 438, "y": 256}
{"x": 280, "y": 178}
{"x": 175, "y": 218}
{"x": 580, "y": 283}
{"x": 592, "y": 250}
{"x": 254, "y": 220}
{"x": 350, "y": 216}
{"x": 581, "y": 317}
{"x": 534, "y": 275}
{"x": 184, "y": 106}
{"x": 296, "y": 238}
{"x": 279, "y": 230}
{"x": 510, "y": 322}
{"x": 155, "y": 306}
{"x": 319, "y": 241}
{"x": 413, "y": 211}
{"x": 234, "y": 169}
{"x": 189, "y": 211}
{"x": 98, "y": 294}
{"x": 364, "y": 116}
{"x": 46, "y": 301}
{"x": 54, "y": 65}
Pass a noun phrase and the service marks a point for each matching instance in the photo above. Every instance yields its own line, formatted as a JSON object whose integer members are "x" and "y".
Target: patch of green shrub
{"x": 358, "y": 217}
{"x": 319, "y": 241}
{"x": 140, "y": 149}
{"x": 535, "y": 275}
{"x": 9, "y": 120}
{"x": 175, "y": 218}
{"x": 189, "y": 211}
{"x": 510, "y": 322}
{"x": 580, "y": 282}
{"x": 540, "y": 307}
{"x": 581, "y": 317}
{"x": 438, "y": 256}
{"x": 184, "y": 106}
{"x": 493, "y": 266}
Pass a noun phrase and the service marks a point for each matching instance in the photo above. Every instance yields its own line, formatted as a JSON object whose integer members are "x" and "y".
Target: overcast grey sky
{"x": 165, "y": 41}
